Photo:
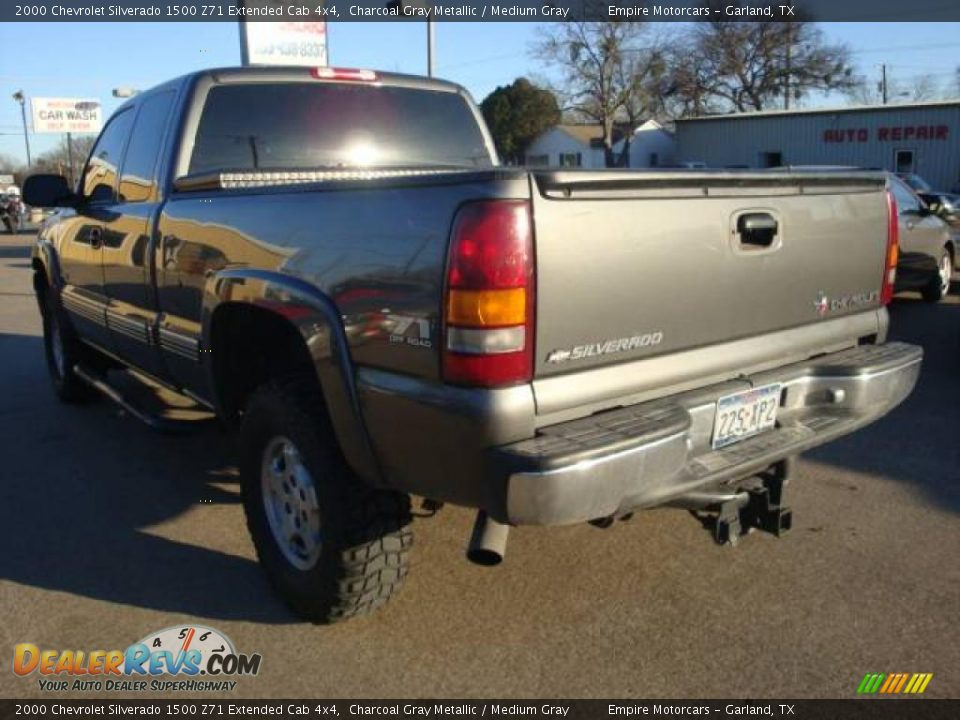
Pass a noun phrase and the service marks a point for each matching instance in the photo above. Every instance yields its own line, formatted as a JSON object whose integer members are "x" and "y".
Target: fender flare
{"x": 44, "y": 256}
{"x": 320, "y": 325}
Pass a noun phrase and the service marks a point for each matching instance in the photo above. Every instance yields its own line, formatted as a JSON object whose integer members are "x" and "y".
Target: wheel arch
{"x": 247, "y": 308}
{"x": 46, "y": 268}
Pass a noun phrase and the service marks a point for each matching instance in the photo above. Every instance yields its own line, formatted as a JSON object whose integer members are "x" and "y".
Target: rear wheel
{"x": 939, "y": 286}
{"x": 63, "y": 351}
{"x": 333, "y": 547}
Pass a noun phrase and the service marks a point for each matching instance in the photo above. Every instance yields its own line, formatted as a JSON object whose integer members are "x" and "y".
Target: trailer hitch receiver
{"x": 760, "y": 505}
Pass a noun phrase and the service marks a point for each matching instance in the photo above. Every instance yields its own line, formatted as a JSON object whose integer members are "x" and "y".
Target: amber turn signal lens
{"x": 487, "y": 308}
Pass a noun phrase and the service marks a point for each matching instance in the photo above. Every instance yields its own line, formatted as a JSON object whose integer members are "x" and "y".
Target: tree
{"x": 922, "y": 88}
{"x": 754, "y": 65}
{"x": 919, "y": 88}
{"x": 612, "y": 73}
{"x": 864, "y": 91}
{"x": 9, "y": 165}
{"x": 58, "y": 159}
{"x": 516, "y": 114}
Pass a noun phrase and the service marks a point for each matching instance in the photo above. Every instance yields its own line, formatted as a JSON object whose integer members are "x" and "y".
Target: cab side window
{"x": 907, "y": 202}
{"x": 138, "y": 180}
{"x": 100, "y": 175}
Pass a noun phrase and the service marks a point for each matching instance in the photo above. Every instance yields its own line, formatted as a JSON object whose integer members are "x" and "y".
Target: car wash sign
{"x": 66, "y": 115}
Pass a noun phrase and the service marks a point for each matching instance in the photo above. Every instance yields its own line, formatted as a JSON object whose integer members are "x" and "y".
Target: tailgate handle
{"x": 757, "y": 229}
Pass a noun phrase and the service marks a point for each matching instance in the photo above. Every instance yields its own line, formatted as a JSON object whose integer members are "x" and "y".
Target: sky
{"x": 90, "y": 59}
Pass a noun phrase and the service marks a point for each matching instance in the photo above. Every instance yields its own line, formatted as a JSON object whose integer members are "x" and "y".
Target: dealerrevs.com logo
{"x": 200, "y": 658}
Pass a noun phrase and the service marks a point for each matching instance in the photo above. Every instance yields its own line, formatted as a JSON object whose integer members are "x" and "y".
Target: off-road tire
{"x": 365, "y": 532}
{"x": 66, "y": 385}
{"x": 936, "y": 290}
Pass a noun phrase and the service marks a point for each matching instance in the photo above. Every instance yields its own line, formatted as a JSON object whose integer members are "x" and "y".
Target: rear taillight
{"x": 893, "y": 250}
{"x": 489, "y": 305}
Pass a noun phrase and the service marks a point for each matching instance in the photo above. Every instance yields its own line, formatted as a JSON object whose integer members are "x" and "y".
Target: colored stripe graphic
{"x": 894, "y": 683}
{"x": 903, "y": 680}
{"x": 918, "y": 683}
{"x": 871, "y": 683}
{"x": 891, "y": 680}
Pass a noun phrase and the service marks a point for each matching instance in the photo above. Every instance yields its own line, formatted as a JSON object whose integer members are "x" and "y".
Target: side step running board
{"x": 160, "y": 424}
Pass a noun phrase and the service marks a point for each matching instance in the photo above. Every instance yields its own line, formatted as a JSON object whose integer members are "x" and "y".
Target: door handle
{"x": 96, "y": 237}
{"x": 757, "y": 229}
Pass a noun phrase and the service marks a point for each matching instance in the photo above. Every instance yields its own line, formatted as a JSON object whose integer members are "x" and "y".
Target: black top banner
{"x": 478, "y": 10}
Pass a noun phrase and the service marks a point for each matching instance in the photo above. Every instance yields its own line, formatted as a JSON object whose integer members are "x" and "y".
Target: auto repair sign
{"x": 66, "y": 115}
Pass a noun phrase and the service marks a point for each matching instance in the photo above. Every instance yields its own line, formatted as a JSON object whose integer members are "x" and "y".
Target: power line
{"x": 897, "y": 48}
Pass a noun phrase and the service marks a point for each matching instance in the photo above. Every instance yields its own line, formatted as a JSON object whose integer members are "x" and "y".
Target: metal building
{"x": 919, "y": 137}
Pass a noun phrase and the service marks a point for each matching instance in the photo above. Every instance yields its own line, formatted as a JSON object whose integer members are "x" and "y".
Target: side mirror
{"x": 48, "y": 191}
{"x": 932, "y": 202}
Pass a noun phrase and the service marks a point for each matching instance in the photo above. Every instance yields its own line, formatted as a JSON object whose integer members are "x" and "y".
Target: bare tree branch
{"x": 612, "y": 74}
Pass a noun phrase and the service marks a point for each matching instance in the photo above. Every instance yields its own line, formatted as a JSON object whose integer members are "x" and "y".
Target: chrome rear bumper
{"x": 647, "y": 454}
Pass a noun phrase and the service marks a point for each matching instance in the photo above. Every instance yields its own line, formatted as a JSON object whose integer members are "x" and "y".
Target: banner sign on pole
{"x": 284, "y": 43}
{"x": 66, "y": 115}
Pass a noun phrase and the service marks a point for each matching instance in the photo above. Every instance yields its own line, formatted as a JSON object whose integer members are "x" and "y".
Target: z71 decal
{"x": 399, "y": 327}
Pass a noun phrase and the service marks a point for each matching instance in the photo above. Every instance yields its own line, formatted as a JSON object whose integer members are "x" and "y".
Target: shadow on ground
{"x": 14, "y": 251}
{"x": 82, "y": 486}
{"x": 908, "y": 445}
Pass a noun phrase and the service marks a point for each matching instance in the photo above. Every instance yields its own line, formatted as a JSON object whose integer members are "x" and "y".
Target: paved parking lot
{"x": 109, "y": 531}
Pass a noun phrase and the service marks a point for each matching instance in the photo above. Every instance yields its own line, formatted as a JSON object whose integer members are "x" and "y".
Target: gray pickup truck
{"x": 335, "y": 263}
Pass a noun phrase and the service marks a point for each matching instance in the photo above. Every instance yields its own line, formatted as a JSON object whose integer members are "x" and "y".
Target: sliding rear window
{"x": 274, "y": 126}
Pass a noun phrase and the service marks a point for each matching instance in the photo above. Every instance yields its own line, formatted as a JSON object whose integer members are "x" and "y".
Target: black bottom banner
{"x": 894, "y": 709}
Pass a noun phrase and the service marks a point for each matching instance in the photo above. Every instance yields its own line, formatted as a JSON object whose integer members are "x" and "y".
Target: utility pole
{"x": 19, "y": 97}
{"x": 431, "y": 50}
{"x": 883, "y": 82}
{"x": 420, "y": 4}
{"x": 70, "y": 159}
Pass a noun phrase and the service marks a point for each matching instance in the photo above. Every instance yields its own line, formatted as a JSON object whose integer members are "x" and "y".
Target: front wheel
{"x": 63, "y": 351}
{"x": 333, "y": 547}
{"x": 939, "y": 286}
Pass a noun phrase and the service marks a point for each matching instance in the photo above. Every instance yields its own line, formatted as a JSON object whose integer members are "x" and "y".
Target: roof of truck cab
{"x": 292, "y": 73}
{"x": 285, "y": 73}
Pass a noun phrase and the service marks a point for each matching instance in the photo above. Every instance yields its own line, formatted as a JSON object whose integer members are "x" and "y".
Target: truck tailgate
{"x": 635, "y": 265}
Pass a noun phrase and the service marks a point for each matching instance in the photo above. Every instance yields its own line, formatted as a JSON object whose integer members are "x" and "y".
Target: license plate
{"x": 745, "y": 414}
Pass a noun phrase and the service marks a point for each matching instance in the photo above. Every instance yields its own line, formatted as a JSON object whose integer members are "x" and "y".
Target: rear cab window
{"x": 304, "y": 125}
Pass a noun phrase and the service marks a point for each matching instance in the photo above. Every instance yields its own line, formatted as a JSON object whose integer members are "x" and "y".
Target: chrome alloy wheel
{"x": 290, "y": 503}
{"x": 946, "y": 273}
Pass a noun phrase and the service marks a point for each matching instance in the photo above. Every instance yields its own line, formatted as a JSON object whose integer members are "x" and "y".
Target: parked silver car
{"x": 928, "y": 251}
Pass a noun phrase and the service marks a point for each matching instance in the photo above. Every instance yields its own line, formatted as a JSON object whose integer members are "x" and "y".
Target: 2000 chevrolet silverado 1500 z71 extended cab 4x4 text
{"x": 335, "y": 263}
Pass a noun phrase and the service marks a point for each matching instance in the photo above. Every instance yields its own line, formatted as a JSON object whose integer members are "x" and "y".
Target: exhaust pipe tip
{"x": 484, "y": 557}
{"x": 488, "y": 542}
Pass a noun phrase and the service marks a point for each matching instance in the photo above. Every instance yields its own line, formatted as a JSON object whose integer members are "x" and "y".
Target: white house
{"x": 568, "y": 146}
{"x": 582, "y": 146}
{"x": 651, "y": 146}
